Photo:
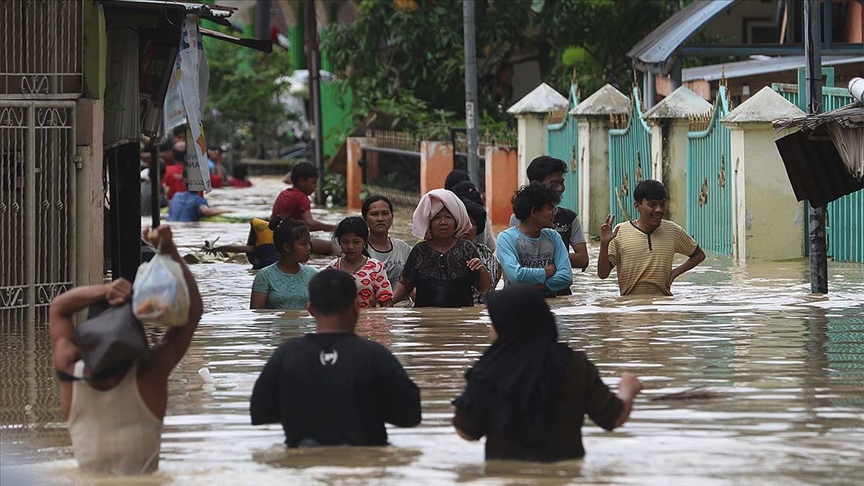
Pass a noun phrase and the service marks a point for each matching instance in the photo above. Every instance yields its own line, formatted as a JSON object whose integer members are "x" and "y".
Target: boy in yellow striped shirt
{"x": 643, "y": 249}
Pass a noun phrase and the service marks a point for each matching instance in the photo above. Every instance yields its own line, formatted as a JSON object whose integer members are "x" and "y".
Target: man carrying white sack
{"x": 115, "y": 416}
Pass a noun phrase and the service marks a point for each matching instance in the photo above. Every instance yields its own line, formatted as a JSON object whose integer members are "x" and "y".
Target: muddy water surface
{"x": 786, "y": 371}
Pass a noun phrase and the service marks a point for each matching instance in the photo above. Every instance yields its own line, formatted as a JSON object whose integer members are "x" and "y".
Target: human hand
{"x": 630, "y": 386}
{"x": 550, "y": 269}
{"x": 475, "y": 264}
{"x": 607, "y": 234}
{"x": 161, "y": 238}
{"x": 118, "y": 292}
{"x": 386, "y": 303}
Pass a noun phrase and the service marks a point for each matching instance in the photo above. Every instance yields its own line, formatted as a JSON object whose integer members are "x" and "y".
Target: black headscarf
{"x": 476, "y": 212}
{"x": 516, "y": 381}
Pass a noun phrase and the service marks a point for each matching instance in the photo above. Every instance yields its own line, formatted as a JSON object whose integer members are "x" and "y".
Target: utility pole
{"x": 313, "y": 57}
{"x": 471, "y": 90}
{"x": 813, "y": 52}
{"x": 262, "y": 19}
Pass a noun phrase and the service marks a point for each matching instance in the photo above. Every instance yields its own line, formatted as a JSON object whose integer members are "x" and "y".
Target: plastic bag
{"x": 160, "y": 295}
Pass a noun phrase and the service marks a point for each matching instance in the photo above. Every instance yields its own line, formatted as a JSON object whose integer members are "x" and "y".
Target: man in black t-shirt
{"x": 333, "y": 387}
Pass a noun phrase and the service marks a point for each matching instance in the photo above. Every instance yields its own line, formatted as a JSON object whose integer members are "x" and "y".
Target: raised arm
{"x": 61, "y": 326}
{"x": 607, "y": 234}
{"x": 173, "y": 345}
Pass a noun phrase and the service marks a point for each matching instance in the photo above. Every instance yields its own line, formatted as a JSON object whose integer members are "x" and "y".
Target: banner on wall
{"x": 192, "y": 77}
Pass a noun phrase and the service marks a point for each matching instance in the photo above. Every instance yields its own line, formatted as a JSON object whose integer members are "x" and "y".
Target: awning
{"x": 656, "y": 52}
{"x": 825, "y": 159}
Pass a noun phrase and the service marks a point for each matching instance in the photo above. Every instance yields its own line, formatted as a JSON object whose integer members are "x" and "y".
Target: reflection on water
{"x": 787, "y": 370}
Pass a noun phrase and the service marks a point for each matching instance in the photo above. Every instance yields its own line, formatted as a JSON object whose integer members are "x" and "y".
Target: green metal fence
{"x": 562, "y": 142}
{"x": 709, "y": 191}
{"x": 629, "y": 160}
{"x": 845, "y": 226}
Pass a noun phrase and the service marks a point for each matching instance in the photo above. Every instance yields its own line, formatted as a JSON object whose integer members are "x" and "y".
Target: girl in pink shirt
{"x": 373, "y": 286}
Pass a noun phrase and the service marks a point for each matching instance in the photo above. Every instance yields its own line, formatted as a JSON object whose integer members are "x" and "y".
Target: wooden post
{"x": 813, "y": 51}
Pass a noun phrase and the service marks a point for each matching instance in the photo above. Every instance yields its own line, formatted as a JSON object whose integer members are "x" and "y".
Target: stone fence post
{"x": 670, "y": 123}
{"x": 592, "y": 117}
{"x": 436, "y": 161}
{"x": 768, "y": 221}
{"x": 502, "y": 170}
{"x": 530, "y": 113}
{"x": 354, "y": 173}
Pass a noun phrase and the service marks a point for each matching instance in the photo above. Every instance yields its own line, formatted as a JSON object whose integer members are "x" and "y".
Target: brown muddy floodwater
{"x": 787, "y": 370}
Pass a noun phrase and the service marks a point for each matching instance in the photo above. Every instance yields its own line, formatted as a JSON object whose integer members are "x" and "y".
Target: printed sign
{"x": 192, "y": 79}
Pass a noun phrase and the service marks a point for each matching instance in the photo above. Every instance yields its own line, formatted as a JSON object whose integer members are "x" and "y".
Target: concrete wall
{"x": 594, "y": 175}
{"x": 436, "y": 161}
{"x": 532, "y": 141}
{"x": 502, "y": 167}
{"x": 354, "y": 173}
{"x": 671, "y": 156}
{"x": 768, "y": 220}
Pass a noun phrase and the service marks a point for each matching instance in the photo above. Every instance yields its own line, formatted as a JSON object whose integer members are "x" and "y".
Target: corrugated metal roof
{"x": 753, "y": 67}
{"x": 656, "y": 51}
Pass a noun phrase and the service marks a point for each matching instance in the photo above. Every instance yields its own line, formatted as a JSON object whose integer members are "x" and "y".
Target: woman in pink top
{"x": 373, "y": 286}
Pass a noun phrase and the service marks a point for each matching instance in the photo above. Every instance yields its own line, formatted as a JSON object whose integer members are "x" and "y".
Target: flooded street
{"x": 786, "y": 370}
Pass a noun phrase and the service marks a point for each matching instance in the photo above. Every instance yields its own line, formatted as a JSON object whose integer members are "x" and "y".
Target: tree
{"x": 243, "y": 91}
{"x": 415, "y": 47}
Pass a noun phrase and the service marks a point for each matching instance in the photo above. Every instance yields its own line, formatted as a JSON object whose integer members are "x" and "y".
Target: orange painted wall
{"x": 354, "y": 176}
{"x": 436, "y": 161}
{"x": 502, "y": 180}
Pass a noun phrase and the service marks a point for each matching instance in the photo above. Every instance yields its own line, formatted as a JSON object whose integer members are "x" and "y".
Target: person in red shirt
{"x": 173, "y": 178}
{"x": 294, "y": 203}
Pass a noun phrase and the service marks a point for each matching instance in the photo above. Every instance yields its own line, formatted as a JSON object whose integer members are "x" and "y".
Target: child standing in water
{"x": 643, "y": 249}
{"x": 373, "y": 286}
{"x": 285, "y": 284}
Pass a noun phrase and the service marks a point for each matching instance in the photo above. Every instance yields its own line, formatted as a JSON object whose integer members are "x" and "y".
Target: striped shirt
{"x": 644, "y": 260}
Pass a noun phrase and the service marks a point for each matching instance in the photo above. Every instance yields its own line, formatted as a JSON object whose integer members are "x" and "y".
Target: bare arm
{"x": 402, "y": 290}
{"x": 629, "y": 387}
{"x": 464, "y": 434}
{"x": 170, "y": 349}
{"x": 604, "y": 268}
{"x": 230, "y": 249}
{"x": 484, "y": 280}
{"x": 258, "y": 301}
{"x": 313, "y": 224}
{"x": 208, "y": 211}
{"x": 579, "y": 257}
{"x": 695, "y": 259}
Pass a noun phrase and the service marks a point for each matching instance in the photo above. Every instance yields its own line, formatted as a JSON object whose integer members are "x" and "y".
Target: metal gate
{"x": 37, "y": 213}
{"x": 562, "y": 141}
{"x": 709, "y": 192}
{"x": 629, "y": 160}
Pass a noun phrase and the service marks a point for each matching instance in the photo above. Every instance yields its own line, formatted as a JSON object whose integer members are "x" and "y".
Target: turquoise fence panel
{"x": 562, "y": 142}
{"x": 844, "y": 229}
{"x": 629, "y": 160}
{"x": 709, "y": 193}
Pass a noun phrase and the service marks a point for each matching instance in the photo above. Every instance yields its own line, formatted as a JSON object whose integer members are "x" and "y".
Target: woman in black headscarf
{"x": 528, "y": 393}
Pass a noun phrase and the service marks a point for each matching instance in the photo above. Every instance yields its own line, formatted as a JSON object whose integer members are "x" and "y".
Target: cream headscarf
{"x": 430, "y": 204}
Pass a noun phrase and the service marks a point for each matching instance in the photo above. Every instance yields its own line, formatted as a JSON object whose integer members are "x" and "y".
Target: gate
{"x": 629, "y": 159}
{"x": 37, "y": 214}
{"x": 844, "y": 228}
{"x": 709, "y": 194}
{"x": 562, "y": 141}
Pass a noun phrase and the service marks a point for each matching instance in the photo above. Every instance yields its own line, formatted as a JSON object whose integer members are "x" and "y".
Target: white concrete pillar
{"x": 89, "y": 215}
{"x": 670, "y": 124}
{"x": 530, "y": 113}
{"x": 768, "y": 221}
{"x": 592, "y": 118}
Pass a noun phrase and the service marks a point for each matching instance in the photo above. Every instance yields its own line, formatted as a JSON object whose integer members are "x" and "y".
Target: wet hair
{"x": 543, "y": 166}
{"x": 352, "y": 225}
{"x": 534, "y": 195}
{"x": 373, "y": 199}
{"x": 467, "y": 190}
{"x": 165, "y": 145}
{"x": 303, "y": 170}
{"x": 287, "y": 232}
{"x": 477, "y": 213}
{"x": 239, "y": 171}
{"x": 455, "y": 177}
{"x": 331, "y": 291}
{"x": 649, "y": 189}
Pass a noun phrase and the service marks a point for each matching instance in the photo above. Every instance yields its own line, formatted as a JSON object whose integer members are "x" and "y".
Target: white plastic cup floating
{"x": 205, "y": 375}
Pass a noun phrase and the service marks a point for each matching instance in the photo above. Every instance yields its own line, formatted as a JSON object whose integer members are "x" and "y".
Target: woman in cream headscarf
{"x": 443, "y": 268}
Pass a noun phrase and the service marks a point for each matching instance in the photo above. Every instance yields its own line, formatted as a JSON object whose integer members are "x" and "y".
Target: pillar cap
{"x": 763, "y": 107}
{"x": 605, "y": 101}
{"x": 680, "y": 104}
{"x": 541, "y": 100}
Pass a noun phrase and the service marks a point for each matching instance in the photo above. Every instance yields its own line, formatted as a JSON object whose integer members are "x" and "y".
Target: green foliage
{"x": 411, "y": 55}
{"x": 244, "y": 90}
{"x": 336, "y": 186}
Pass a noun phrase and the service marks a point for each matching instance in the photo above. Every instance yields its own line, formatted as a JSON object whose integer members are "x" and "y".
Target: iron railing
{"x": 629, "y": 159}
{"x": 42, "y": 49}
